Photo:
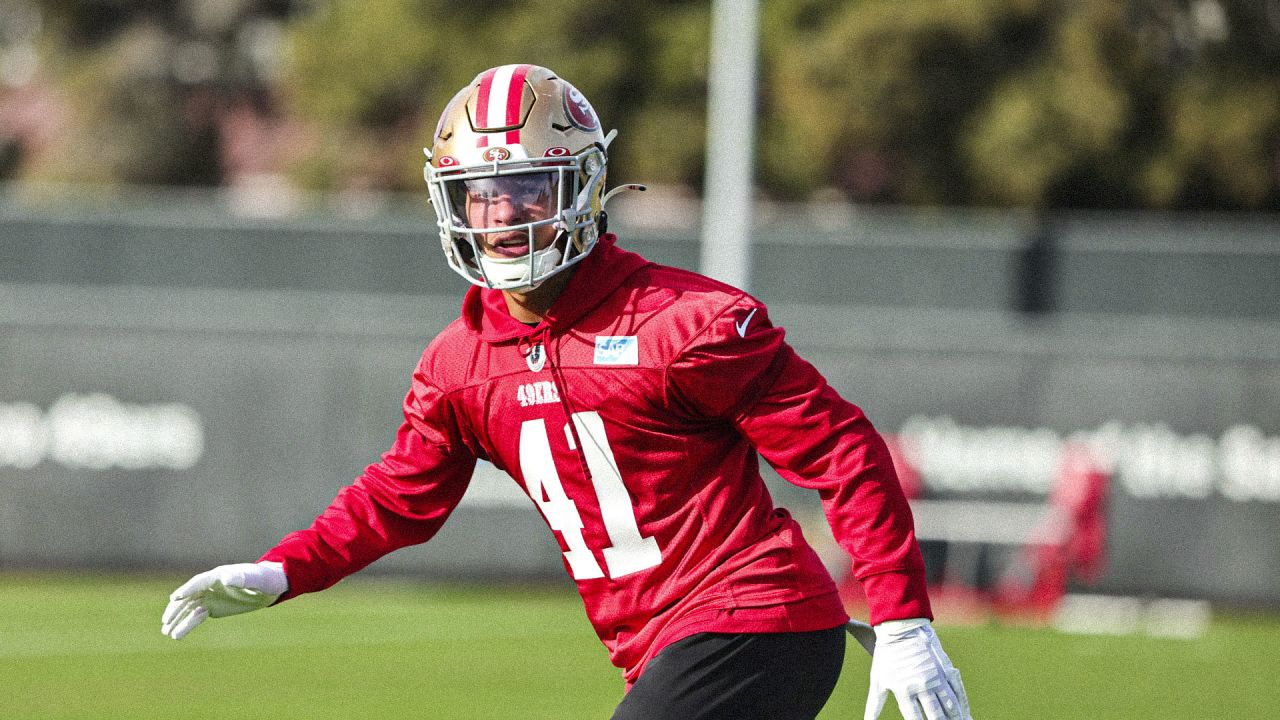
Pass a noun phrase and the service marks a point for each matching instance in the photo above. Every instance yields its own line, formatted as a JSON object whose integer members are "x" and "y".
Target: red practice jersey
{"x": 632, "y": 416}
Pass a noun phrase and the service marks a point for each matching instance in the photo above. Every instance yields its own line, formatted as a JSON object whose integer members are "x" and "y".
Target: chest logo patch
{"x": 617, "y": 350}
{"x": 537, "y": 393}
{"x": 536, "y": 358}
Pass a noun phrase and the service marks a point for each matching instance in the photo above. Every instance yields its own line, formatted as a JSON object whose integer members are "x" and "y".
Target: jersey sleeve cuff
{"x": 296, "y": 583}
{"x": 896, "y": 596}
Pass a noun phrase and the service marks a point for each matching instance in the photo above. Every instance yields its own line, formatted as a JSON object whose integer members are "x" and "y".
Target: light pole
{"x": 731, "y": 120}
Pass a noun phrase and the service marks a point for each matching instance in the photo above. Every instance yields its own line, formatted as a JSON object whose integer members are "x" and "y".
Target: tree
{"x": 384, "y": 73}
{"x": 1155, "y": 103}
{"x": 1006, "y": 102}
{"x": 144, "y": 83}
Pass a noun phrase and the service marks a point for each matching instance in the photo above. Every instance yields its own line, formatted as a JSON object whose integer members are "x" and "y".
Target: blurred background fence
{"x": 181, "y": 385}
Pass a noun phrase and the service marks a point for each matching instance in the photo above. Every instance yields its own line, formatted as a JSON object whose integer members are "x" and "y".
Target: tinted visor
{"x": 505, "y": 199}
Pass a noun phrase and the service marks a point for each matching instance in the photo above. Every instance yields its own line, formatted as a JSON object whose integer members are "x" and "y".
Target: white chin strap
{"x": 513, "y": 273}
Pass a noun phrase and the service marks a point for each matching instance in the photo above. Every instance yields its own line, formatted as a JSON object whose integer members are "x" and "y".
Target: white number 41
{"x": 628, "y": 552}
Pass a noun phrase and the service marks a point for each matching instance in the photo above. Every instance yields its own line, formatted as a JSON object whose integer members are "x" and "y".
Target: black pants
{"x": 713, "y": 676}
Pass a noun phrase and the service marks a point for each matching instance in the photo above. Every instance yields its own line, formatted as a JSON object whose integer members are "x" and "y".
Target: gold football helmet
{"x": 516, "y": 176}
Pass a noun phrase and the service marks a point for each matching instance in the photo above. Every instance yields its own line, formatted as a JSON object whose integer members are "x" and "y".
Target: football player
{"x": 629, "y": 400}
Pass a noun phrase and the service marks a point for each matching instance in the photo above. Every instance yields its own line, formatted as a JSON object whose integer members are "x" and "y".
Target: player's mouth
{"x": 509, "y": 246}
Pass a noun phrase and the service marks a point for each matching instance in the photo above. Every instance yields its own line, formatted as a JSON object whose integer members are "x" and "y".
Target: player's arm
{"x": 815, "y": 439}
{"x": 401, "y": 500}
{"x": 742, "y": 370}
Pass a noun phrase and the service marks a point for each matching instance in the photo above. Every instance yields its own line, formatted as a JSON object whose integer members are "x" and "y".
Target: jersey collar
{"x": 598, "y": 275}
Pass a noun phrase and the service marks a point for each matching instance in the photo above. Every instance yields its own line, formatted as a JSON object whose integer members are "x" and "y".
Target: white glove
{"x": 910, "y": 663}
{"x": 222, "y": 591}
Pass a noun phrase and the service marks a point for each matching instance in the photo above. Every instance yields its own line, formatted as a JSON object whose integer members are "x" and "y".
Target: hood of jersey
{"x": 599, "y": 274}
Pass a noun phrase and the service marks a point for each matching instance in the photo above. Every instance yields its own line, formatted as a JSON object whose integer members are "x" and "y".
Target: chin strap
{"x": 522, "y": 270}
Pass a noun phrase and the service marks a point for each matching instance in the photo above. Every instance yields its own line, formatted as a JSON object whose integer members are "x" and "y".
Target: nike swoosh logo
{"x": 742, "y": 326}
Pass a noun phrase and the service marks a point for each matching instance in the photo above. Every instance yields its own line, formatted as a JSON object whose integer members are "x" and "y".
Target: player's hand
{"x": 910, "y": 663}
{"x": 222, "y": 591}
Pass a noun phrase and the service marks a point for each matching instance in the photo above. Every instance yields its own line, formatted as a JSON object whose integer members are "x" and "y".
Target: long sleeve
{"x": 743, "y": 371}
{"x": 402, "y": 500}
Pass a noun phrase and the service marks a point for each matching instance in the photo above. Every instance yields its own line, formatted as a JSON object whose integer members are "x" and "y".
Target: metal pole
{"x": 731, "y": 119}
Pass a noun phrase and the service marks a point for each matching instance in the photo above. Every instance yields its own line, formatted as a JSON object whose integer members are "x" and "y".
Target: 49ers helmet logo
{"x": 494, "y": 154}
{"x": 579, "y": 110}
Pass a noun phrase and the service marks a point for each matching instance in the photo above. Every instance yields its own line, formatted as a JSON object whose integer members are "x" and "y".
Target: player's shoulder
{"x": 672, "y": 309}
{"x": 684, "y": 291}
{"x": 446, "y": 361}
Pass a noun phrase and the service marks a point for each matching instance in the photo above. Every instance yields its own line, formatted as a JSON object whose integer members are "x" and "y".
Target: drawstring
{"x": 534, "y": 347}
{"x": 573, "y": 426}
{"x": 527, "y": 345}
{"x": 543, "y": 336}
{"x": 540, "y": 336}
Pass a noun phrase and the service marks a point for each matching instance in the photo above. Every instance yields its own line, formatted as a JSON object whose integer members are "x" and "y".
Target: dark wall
{"x": 288, "y": 345}
{"x": 1187, "y": 266}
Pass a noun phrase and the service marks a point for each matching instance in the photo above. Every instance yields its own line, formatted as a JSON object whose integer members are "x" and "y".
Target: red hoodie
{"x": 631, "y": 416}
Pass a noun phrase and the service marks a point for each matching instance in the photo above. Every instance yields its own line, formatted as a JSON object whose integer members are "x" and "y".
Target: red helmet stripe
{"x": 482, "y": 103}
{"x": 515, "y": 95}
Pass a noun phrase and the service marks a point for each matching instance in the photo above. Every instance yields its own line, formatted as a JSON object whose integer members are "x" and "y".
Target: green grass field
{"x": 90, "y": 647}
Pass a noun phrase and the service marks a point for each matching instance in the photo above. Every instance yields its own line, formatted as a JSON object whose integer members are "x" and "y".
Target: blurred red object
{"x": 1072, "y": 545}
